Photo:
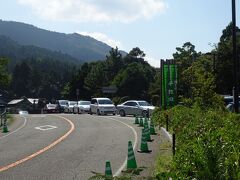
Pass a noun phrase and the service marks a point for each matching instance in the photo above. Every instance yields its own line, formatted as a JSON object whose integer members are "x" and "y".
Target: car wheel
{"x": 98, "y": 112}
{"x": 122, "y": 113}
{"x": 144, "y": 113}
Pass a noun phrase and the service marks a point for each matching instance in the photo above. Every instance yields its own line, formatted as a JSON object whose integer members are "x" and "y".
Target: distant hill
{"x": 17, "y": 53}
{"x": 83, "y": 48}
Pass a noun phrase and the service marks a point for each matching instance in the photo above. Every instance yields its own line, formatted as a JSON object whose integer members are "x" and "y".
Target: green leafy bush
{"x": 207, "y": 142}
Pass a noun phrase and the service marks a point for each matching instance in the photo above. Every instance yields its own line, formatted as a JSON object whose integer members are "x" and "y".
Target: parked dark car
{"x": 63, "y": 104}
{"x": 230, "y": 107}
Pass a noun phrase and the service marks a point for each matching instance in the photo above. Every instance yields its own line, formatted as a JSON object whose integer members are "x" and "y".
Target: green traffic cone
{"x": 144, "y": 145}
{"x": 147, "y": 132}
{"x": 136, "y": 120}
{"x": 146, "y": 124}
{"x": 152, "y": 129}
{"x": 145, "y": 121}
{"x": 141, "y": 122}
{"x": 108, "y": 170}
{"x": 131, "y": 161}
{"x": 5, "y": 128}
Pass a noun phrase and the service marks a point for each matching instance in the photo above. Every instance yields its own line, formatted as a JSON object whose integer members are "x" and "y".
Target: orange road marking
{"x": 42, "y": 150}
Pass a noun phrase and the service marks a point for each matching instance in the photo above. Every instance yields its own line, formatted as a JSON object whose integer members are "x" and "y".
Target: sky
{"x": 157, "y": 27}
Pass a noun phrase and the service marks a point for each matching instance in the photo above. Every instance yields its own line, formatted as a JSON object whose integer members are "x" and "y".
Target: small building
{"x": 23, "y": 104}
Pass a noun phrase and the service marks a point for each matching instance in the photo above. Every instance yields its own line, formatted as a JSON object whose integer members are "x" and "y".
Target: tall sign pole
{"x": 235, "y": 88}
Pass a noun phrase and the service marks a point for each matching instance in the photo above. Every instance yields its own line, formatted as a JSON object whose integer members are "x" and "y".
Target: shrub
{"x": 207, "y": 141}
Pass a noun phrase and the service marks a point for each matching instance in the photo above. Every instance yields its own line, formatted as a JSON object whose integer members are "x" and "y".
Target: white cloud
{"x": 102, "y": 37}
{"x": 153, "y": 61}
{"x": 96, "y": 10}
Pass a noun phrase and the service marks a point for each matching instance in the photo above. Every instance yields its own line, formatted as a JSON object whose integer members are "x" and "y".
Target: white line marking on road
{"x": 38, "y": 116}
{"x": 118, "y": 172}
{"x": 46, "y": 127}
{"x": 24, "y": 124}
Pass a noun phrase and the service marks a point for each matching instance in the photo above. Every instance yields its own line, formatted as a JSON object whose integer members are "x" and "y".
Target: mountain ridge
{"x": 17, "y": 53}
{"x": 82, "y": 48}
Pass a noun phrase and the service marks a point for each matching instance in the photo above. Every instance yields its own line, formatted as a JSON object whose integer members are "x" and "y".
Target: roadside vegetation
{"x": 207, "y": 135}
{"x": 207, "y": 143}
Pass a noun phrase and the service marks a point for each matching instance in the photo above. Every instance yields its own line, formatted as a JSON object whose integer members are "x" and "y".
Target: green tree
{"x": 35, "y": 83}
{"x": 4, "y": 75}
{"x": 202, "y": 82}
{"x": 113, "y": 64}
{"x": 132, "y": 82}
{"x": 154, "y": 89}
{"x": 184, "y": 57}
{"x": 135, "y": 55}
{"x": 77, "y": 82}
{"x": 224, "y": 61}
{"x": 21, "y": 79}
{"x": 95, "y": 79}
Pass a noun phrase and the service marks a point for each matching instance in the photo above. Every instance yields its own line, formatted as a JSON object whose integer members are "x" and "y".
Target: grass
{"x": 164, "y": 158}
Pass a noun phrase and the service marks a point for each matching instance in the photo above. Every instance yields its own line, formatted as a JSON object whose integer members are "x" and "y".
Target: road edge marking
{"x": 118, "y": 172}
{"x": 44, "y": 149}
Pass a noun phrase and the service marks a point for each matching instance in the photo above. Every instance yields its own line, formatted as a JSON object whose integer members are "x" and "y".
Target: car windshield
{"x": 72, "y": 103}
{"x": 63, "y": 102}
{"x": 143, "y": 103}
{"x": 84, "y": 103}
{"x": 105, "y": 101}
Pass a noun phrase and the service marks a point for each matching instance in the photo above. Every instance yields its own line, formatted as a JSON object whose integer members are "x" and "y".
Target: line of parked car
{"x": 101, "y": 106}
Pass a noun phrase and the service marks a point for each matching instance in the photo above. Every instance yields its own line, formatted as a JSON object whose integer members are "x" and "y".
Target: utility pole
{"x": 235, "y": 88}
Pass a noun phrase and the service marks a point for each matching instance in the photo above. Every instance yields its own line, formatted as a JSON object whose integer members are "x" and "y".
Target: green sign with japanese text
{"x": 169, "y": 84}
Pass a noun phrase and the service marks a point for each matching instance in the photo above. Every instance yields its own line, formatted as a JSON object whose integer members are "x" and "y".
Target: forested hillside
{"x": 83, "y": 48}
{"x": 17, "y": 53}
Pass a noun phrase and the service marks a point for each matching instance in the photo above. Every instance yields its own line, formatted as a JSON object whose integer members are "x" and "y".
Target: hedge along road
{"x": 95, "y": 140}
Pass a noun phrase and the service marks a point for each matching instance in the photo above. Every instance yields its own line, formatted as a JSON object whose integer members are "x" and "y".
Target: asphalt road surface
{"x": 64, "y": 146}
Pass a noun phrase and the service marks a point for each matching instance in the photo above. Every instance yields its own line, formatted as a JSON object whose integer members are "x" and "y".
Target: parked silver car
{"x": 135, "y": 107}
{"x": 102, "y": 106}
{"x": 70, "y": 106}
{"x": 82, "y": 107}
{"x": 63, "y": 105}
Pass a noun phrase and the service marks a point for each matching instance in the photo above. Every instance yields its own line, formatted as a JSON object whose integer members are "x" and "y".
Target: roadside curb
{"x": 166, "y": 134}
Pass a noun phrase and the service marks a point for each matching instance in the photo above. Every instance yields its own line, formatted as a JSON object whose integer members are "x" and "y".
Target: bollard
{"x": 108, "y": 170}
{"x": 174, "y": 143}
{"x": 136, "y": 120}
{"x": 5, "y": 129}
{"x": 166, "y": 122}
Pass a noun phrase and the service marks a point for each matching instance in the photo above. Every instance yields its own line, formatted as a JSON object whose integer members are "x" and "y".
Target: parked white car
{"x": 135, "y": 107}
{"x": 102, "y": 106}
{"x": 82, "y": 107}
